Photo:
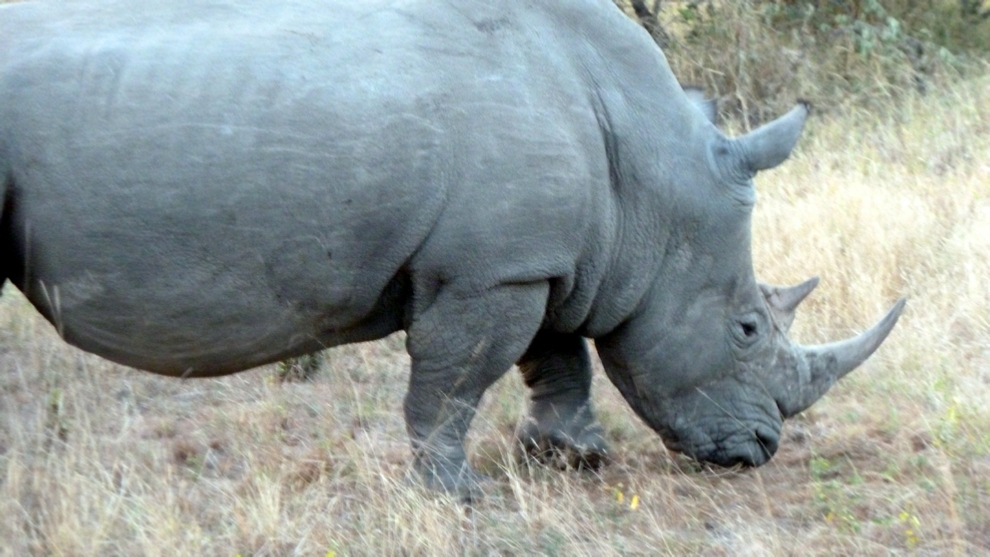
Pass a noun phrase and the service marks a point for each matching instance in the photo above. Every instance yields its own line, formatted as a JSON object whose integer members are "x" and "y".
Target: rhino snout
{"x": 744, "y": 447}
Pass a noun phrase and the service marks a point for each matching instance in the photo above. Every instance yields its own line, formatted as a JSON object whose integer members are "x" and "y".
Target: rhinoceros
{"x": 199, "y": 187}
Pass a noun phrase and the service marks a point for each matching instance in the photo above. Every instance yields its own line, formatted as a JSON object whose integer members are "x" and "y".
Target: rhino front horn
{"x": 819, "y": 367}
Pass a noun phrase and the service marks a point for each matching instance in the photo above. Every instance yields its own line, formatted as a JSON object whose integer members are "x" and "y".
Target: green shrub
{"x": 757, "y": 56}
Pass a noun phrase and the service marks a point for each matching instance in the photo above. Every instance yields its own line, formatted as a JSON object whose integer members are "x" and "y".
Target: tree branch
{"x": 650, "y": 21}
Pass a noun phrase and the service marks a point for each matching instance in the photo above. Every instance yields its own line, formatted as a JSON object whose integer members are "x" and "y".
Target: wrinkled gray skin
{"x": 198, "y": 187}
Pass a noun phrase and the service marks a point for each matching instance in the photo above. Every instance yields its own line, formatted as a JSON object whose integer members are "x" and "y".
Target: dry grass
{"x": 97, "y": 459}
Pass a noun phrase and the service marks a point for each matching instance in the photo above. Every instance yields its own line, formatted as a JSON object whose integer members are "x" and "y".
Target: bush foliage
{"x": 757, "y": 56}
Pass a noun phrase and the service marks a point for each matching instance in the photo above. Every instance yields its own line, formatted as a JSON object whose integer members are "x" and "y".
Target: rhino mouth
{"x": 744, "y": 447}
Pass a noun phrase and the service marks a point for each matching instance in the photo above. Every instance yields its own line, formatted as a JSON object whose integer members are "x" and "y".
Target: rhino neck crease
{"x": 656, "y": 144}
{"x": 659, "y": 214}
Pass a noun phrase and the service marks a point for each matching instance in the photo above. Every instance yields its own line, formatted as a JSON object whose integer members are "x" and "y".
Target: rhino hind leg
{"x": 560, "y": 429}
{"x": 460, "y": 344}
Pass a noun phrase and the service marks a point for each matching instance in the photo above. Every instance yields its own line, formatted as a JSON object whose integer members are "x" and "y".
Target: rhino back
{"x": 201, "y": 187}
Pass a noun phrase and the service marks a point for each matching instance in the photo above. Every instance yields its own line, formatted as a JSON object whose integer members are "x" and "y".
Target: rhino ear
{"x": 708, "y": 107}
{"x": 770, "y": 144}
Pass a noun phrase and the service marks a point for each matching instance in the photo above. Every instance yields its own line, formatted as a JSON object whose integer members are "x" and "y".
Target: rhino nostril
{"x": 767, "y": 442}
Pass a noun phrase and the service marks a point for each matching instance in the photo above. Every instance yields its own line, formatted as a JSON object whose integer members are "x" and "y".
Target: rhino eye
{"x": 746, "y": 330}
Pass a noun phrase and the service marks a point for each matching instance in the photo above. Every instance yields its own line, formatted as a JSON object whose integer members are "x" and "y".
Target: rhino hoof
{"x": 585, "y": 451}
{"x": 566, "y": 459}
{"x": 464, "y": 484}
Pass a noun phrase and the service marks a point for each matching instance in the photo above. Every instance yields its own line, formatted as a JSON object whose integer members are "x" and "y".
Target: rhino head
{"x": 706, "y": 361}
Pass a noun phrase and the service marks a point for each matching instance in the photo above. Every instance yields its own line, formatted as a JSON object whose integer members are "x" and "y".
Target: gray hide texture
{"x": 197, "y": 187}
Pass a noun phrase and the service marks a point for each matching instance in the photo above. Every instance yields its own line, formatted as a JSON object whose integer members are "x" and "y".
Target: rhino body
{"x": 199, "y": 187}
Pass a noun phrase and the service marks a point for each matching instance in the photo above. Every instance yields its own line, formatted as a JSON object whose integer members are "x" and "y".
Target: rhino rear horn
{"x": 782, "y": 301}
{"x": 819, "y": 367}
{"x": 770, "y": 144}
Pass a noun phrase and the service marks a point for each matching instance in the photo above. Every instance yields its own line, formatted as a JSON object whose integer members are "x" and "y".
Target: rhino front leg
{"x": 461, "y": 344}
{"x": 561, "y": 428}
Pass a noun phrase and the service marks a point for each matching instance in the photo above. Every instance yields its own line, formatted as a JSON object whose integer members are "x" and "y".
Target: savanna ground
{"x": 99, "y": 459}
